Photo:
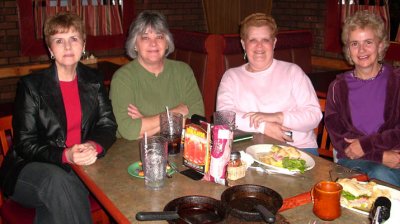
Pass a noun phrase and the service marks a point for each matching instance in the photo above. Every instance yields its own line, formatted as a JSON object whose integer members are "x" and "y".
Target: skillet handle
{"x": 265, "y": 214}
{"x": 151, "y": 216}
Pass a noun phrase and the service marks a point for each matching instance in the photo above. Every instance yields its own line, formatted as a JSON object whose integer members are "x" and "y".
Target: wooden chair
{"x": 12, "y": 212}
{"x": 325, "y": 147}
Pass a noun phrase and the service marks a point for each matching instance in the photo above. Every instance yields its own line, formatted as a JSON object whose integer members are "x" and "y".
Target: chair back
{"x": 325, "y": 147}
{"x": 12, "y": 212}
{"x": 6, "y": 134}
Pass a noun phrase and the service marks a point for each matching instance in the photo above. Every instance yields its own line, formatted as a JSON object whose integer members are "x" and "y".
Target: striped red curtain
{"x": 379, "y": 7}
{"x": 101, "y": 17}
{"x": 338, "y": 10}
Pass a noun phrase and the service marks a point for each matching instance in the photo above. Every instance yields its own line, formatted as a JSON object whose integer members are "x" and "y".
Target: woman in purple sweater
{"x": 363, "y": 105}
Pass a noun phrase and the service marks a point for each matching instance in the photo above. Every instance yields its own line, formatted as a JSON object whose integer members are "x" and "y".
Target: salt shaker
{"x": 235, "y": 160}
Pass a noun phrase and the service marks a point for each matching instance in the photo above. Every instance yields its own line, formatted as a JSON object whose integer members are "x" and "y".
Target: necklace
{"x": 354, "y": 74}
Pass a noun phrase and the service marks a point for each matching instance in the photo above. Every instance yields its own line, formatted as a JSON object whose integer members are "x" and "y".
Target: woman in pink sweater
{"x": 270, "y": 96}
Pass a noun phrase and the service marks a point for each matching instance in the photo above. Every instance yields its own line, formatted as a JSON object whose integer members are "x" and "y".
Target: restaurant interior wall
{"x": 181, "y": 14}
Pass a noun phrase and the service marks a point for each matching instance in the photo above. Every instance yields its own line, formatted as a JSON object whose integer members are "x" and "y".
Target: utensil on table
{"x": 241, "y": 200}
{"x": 340, "y": 172}
{"x": 260, "y": 169}
{"x": 206, "y": 217}
{"x": 265, "y": 213}
{"x": 198, "y": 209}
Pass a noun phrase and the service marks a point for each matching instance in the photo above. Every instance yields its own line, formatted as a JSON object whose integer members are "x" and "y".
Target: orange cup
{"x": 326, "y": 198}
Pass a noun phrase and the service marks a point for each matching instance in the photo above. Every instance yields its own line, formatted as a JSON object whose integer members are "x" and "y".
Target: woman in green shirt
{"x": 141, "y": 89}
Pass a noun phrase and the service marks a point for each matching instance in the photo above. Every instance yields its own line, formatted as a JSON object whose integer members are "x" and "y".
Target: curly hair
{"x": 257, "y": 20}
{"x": 363, "y": 20}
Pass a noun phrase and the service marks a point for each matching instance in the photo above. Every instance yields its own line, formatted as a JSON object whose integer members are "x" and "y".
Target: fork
{"x": 260, "y": 169}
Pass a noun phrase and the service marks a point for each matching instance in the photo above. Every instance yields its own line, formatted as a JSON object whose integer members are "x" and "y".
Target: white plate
{"x": 395, "y": 207}
{"x": 263, "y": 148}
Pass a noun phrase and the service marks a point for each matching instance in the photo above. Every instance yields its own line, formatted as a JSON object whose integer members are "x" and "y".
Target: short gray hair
{"x": 147, "y": 19}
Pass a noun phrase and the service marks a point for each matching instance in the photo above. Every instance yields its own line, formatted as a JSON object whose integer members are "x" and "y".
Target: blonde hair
{"x": 257, "y": 20}
{"x": 363, "y": 20}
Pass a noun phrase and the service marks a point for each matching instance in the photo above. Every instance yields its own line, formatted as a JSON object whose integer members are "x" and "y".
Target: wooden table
{"x": 123, "y": 195}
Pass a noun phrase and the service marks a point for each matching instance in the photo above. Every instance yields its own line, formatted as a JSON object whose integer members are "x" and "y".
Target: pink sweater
{"x": 283, "y": 87}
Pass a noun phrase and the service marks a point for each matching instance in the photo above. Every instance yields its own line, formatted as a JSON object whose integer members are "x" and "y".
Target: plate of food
{"x": 136, "y": 170}
{"x": 281, "y": 158}
{"x": 360, "y": 196}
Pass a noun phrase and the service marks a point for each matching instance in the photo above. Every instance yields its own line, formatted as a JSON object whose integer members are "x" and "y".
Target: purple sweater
{"x": 340, "y": 124}
{"x": 367, "y": 101}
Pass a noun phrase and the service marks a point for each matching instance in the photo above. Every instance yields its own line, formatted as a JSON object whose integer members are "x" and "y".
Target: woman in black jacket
{"x": 62, "y": 116}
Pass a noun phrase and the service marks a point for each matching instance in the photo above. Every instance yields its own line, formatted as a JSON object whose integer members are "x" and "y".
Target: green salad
{"x": 294, "y": 164}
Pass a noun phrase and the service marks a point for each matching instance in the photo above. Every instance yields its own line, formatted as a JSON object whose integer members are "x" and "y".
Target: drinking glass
{"x": 171, "y": 129}
{"x": 340, "y": 172}
{"x": 153, "y": 152}
{"x": 326, "y": 198}
{"x": 225, "y": 117}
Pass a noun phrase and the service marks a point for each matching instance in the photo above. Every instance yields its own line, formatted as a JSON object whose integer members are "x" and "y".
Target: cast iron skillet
{"x": 192, "y": 209}
{"x": 200, "y": 209}
{"x": 241, "y": 201}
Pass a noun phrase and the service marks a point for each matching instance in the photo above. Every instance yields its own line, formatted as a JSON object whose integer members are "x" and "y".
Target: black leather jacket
{"x": 39, "y": 121}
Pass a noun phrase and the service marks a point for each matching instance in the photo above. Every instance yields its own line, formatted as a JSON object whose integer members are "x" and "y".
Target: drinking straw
{"x": 145, "y": 140}
{"x": 171, "y": 129}
{"x": 169, "y": 118}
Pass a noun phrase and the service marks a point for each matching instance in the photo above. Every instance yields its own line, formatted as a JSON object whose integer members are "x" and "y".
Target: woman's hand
{"x": 256, "y": 118}
{"x": 134, "y": 112}
{"x": 354, "y": 150}
{"x": 276, "y": 131}
{"x": 391, "y": 159}
{"x": 182, "y": 109}
{"x": 82, "y": 154}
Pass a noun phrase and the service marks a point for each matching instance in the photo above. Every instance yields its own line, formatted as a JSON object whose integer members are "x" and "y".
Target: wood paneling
{"x": 26, "y": 69}
{"x": 224, "y": 16}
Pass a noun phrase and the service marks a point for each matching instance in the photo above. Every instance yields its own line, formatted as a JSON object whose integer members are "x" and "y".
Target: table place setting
{"x": 298, "y": 186}
{"x": 276, "y": 159}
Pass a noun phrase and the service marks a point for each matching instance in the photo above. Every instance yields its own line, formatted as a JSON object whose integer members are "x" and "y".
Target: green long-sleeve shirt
{"x": 133, "y": 84}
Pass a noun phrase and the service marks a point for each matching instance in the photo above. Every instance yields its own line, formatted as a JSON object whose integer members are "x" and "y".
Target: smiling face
{"x": 259, "y": 45}
{"x": 66, "y": 47}
{"x": 364, "y": 46}
{"x": 151, "y": 47}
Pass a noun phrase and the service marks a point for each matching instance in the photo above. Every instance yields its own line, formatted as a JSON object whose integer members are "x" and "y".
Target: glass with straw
{"x": 153, "y": 152}
{"x": 171, "y": 129}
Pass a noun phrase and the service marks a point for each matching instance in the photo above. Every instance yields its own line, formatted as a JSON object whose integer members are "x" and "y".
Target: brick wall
{"x": 9, "y": 37}
{"x": 304, "y": 14}
{"x": 183, "y": 14}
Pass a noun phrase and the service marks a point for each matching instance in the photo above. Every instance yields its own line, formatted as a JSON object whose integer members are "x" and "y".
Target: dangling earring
{"x": 52, "y": 56}
{"x": 84, "y": 56}
{"x": 245, "y": 56}
{"x": 135, "y": 49}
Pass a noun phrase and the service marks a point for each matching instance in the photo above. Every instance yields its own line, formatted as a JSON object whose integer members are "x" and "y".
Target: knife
{"x": 199, "y": 218}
